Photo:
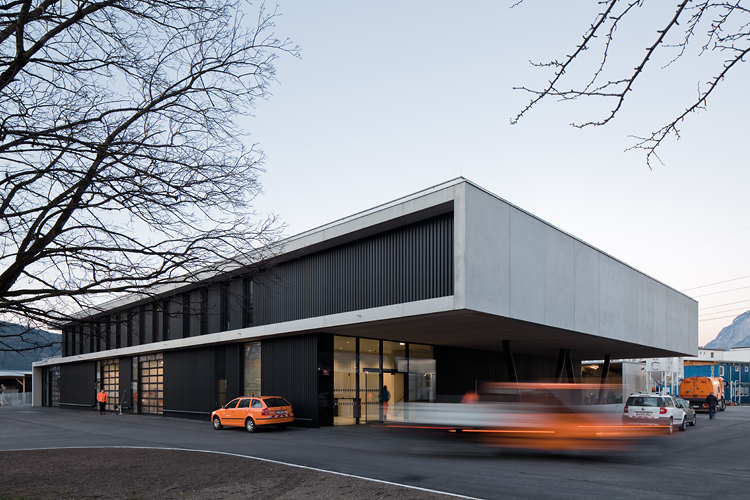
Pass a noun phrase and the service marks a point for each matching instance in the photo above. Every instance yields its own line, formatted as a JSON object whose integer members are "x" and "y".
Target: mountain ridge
{"x": 735, "y": 335}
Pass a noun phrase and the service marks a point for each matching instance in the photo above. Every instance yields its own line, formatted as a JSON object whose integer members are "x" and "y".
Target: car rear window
{"x": 643, "y": 401}
{"x": 272, "y": 402}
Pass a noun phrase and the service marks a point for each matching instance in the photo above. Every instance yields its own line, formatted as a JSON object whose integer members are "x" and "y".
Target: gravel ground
{"x": 143, "y": 474}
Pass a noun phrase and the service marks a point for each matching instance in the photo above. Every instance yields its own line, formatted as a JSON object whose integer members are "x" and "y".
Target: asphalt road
{"x": 710, "y": 457}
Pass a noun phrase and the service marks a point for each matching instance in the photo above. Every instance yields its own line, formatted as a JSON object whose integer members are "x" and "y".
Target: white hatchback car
{"x": 654, "y": 409}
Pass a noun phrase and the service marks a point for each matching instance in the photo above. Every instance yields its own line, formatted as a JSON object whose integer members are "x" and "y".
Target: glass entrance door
{"x": 370, "y": 367}
{"x": 369, "y": 394}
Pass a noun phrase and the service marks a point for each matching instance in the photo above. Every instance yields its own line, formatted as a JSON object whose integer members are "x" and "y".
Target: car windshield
{"x": 643, "y": 401}
{"x": 272, "y": 402}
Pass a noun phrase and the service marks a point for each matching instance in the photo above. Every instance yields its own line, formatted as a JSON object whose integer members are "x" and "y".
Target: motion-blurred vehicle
{"x": 252, "y": 412}
{"x": 689, "y": 411}
{"x": 649, "y": 409}
{"x": 541, "y": 416}
{"x": 696, "y": 389}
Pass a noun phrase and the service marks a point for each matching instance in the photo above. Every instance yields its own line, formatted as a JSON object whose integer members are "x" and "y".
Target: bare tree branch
{"x": 124, "y": 166}
{"x": 722, "y": 35}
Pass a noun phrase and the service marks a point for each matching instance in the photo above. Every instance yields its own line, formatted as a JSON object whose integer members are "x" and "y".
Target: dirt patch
{"x": 144, "y": 474}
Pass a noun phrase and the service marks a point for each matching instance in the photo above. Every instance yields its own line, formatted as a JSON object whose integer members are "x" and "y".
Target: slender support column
{"x": 605, "y": 375}
{"x": 509, "y": 361}
{"x": 569, "y": 366}
{"x": 560, "y": 365}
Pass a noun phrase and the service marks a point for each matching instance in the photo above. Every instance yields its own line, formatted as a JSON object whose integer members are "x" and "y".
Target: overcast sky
{"x": 389, "y": 98}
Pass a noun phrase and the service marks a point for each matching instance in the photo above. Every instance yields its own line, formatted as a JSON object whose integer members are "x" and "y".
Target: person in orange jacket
{"x": 102, "y": 398}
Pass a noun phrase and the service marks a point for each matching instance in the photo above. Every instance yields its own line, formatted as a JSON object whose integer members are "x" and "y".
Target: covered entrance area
{"x": 370, "y": 376}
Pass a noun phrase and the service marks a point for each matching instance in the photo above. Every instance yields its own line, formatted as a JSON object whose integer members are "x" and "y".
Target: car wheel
{"x": 695, "y": 419}
{"x": 670, "y": 426}
{"x": 683, "y": 425}
{"x": 250, "y": 425}
{"x": 217, "y": 424}
{"x": 722, "y": 405}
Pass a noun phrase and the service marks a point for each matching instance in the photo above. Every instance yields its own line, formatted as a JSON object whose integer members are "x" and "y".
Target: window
{"x": 721, "y": 370}
{"x": 54, "y": 385}
{"x": 244, "y": 403}
{"x": 643, "y": 401}
{"x": 247, "y": 302}
{"x": 252, "y": 369}
{"x": 736, "y": 368}
{"x": 224, "y": 307}
{"x": 256, "y": 404}
{"x": 745, "y": 368}
{"x": 152, "y": 383}
{"x": 274, "y": 402}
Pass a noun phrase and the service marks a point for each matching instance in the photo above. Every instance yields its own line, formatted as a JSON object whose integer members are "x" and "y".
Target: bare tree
{"x": 725, "y": 31}
{"x": 124, "y": 165}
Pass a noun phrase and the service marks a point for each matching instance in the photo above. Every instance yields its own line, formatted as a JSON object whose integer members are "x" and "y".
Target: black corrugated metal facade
{"x": 289, "y": 368}
{"x": 78, "y": 385}
{"x": 459, "y": 369}
{"x": 190, "y": 385}
{"x": 414, "y": 262}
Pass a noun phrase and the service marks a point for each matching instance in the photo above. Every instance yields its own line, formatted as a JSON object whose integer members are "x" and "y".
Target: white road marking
{"x": 253, "y": 458}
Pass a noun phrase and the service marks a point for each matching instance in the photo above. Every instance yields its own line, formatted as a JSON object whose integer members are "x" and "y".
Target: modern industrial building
{"x": 428, "y": 295}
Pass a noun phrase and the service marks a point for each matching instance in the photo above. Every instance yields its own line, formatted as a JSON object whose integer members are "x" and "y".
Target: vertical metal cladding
{"x": 190, "y": 384}
{"x": 78, "y": 385}
{"x": 411, "y": 263}
{"x": 459, "y": 369}
{"x": 289, "y": 368}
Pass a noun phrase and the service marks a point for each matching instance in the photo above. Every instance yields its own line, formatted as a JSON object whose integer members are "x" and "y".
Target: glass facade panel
{"x": 344, "y": 380}
{"x": 110, "y": 379}
{"x": 252, "y": 382}
{"x": 371, "y": 377}
{"x": 395, "y": 365}
{"x": 369, "y": 380}
{"x": 422, "y": 373}
{"x": 152, "y": 385}
{"x": 54, "y": 385}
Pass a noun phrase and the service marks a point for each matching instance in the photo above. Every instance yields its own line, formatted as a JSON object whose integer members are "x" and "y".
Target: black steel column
{"x": 560, "y": 365}
{"x": 605, "y": 375}
{"x": 569, "y": 366}
{"x": 509, "y": 361}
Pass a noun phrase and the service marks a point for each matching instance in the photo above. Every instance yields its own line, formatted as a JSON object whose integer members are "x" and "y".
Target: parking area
{"x": 676, "y": 466}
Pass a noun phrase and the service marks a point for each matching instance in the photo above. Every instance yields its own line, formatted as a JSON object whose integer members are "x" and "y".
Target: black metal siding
{"x": 289, "y": 368}
{"x": 414, "y": 262}
{"x": 126, "y": 378}
{"x": 78, "y": 385}
{"x": 190, "y": 383}
{"x": 234, "y": 370}
{"x": 325, "y": 379}
{"x": 458, "y": 370}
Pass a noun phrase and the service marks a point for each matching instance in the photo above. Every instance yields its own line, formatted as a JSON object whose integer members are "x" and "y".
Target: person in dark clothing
{"x": 711, "y": 401}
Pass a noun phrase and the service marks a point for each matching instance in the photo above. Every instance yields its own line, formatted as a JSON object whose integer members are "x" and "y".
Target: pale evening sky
{"x": 389, "y": 98}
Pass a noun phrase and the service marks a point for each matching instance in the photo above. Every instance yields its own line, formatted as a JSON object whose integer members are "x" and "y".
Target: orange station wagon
{"x": 252, "y": 412}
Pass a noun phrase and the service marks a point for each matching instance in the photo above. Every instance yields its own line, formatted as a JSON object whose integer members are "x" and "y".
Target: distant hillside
{"x": 9, "y": 343}
{"x": 735, "y": 335}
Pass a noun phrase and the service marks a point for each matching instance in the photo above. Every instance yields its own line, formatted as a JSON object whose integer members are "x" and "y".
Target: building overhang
{"x": 432, "y": 322}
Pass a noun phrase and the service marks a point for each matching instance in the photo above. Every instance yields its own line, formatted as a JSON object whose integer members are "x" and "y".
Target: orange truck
{"x": 696, "y": 389}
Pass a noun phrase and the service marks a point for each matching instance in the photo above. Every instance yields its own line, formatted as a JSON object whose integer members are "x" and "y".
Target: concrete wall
{"x": 512, "y": 264}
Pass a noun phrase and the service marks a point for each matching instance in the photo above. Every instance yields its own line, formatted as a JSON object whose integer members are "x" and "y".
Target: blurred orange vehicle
{"x": 541, "y": 416}
{"x": 252, "y": 412}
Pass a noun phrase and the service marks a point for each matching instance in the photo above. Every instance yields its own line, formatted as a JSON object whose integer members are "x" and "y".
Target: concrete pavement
{"x": 683, "y": 465}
